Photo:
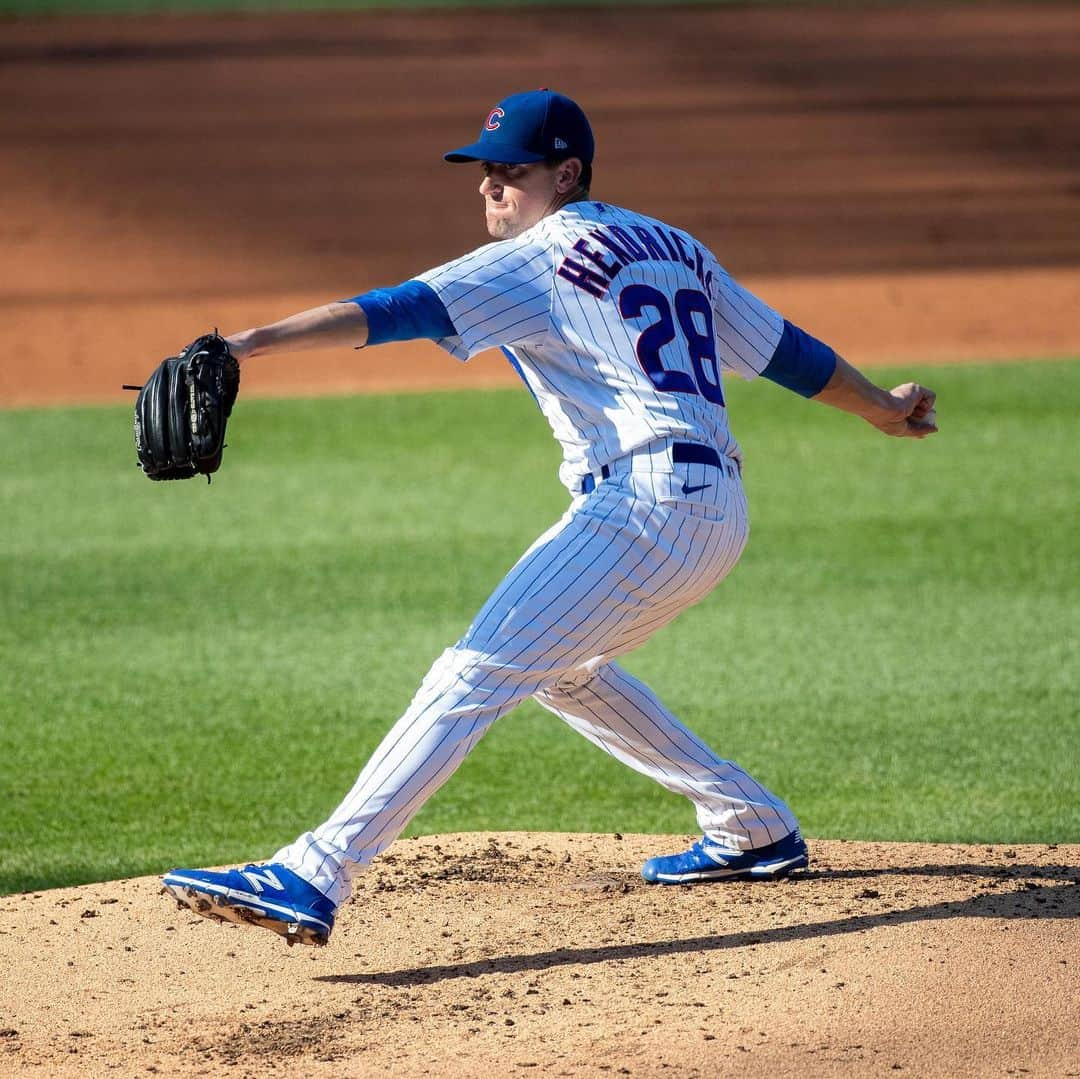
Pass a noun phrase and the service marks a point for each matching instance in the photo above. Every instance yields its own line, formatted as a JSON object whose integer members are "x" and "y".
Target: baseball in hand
{"x": 930, "y": 418}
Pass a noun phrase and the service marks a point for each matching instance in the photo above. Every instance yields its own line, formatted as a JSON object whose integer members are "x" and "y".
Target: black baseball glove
{"x": 181, "y": 411}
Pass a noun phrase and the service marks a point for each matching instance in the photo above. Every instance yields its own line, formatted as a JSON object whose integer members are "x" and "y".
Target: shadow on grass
{"x": 1058, "y": 896}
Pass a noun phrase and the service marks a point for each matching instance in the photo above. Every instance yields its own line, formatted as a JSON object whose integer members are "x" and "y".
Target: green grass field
{"x": 194, "y": 675}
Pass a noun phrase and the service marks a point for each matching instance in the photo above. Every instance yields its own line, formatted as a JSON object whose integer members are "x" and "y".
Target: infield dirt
{"x": 539, "y": 954}
{"x": 903, "y": 183}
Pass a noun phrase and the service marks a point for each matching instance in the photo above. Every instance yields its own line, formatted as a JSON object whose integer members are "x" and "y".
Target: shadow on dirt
{"x": 1036, "y": 892}
{"x": 1066, "y": 874}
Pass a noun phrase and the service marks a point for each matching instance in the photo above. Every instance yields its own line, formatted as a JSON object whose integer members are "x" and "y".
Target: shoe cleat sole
{"x": 773, "y": 871}
{"x": 218, "y": 908}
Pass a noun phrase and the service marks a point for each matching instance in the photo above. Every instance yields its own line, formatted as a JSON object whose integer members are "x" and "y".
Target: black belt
{"x": 694, "y": 453}
{"x": 682, "y": 453}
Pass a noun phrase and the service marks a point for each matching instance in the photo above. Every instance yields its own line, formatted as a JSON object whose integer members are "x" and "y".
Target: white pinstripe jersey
{"x": 619, "y": 324}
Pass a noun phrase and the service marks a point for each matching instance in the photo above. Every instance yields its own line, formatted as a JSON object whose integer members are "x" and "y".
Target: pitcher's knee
{"x": 570, "y": 683}
{"x": 478, "y": 673}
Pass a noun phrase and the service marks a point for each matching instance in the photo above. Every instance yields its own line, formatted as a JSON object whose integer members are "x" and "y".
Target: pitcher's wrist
{"x": 242, "y": 345}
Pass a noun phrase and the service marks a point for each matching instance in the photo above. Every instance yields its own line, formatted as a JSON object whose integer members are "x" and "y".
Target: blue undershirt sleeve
{"x": 405, "y": 312}
{"x": 801, "y": 363}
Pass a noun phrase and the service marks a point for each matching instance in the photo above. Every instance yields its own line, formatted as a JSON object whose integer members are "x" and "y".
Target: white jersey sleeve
{"x": 497, "y": 295}
{"x": 747, "y": 328}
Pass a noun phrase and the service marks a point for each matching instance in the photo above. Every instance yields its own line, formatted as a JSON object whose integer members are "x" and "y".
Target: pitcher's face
{"x": 516, "y": 197}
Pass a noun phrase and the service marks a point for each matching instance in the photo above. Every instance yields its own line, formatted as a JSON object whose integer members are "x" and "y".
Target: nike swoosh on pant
{"x": 690, "y": 490}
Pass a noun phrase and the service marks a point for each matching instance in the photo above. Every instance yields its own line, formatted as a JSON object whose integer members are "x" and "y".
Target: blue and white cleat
{"x": 269, "y": 895}
{"x": 705, "y": 861}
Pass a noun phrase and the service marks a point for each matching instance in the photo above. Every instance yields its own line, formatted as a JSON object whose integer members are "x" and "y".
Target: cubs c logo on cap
{"x": 494, "y": 116}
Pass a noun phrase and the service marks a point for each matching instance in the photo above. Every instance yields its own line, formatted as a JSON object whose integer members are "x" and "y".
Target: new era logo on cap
{"x": 560, "y": 144}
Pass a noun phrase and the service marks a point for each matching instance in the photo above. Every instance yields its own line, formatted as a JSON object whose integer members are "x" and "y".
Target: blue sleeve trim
{"x": 405, "y": 312}
{"x": 801, "y": 363}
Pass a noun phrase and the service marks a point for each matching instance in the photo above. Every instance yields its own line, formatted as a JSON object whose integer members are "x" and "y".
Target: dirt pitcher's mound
{"x": 538, "y": 954}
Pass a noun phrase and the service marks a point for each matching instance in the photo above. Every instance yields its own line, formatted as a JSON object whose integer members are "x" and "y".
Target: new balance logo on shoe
{"x": 263, "y": 879}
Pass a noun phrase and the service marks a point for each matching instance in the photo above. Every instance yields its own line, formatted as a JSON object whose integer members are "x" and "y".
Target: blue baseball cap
{"x": 529, "y": 127}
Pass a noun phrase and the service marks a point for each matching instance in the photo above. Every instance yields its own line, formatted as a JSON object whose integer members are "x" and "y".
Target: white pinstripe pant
{"x": 621, "y": 563}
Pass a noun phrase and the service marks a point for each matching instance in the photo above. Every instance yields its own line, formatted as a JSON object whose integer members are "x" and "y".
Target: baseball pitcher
{"x": 621, "y": 327}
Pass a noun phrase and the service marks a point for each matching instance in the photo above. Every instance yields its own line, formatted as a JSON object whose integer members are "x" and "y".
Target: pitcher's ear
{"x": 569, "y": 174}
